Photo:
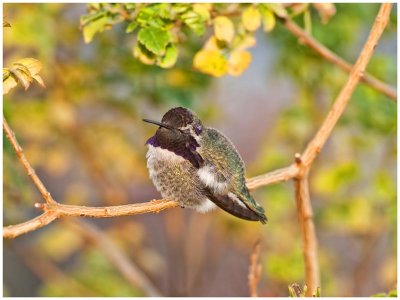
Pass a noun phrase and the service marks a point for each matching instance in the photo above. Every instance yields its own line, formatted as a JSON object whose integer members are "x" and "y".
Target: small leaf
{"x": 203, "y": 10}
{"x": 238, "y": 62}
{"x": 144, "y": 55}
{"x": 194, "y": 21}
{"x": 210, "y": 62}
{"x": 131, "y": 27}
{"x": 24, "y": 78}
{"x": 251, "y": 18}
{"x": 154, "y": 39}
{"x": 278, "y": 9}
{"x": 268, "y": 20}
{"x": 170, "y": 57}
{"x": 39, "y": 80}
{"x": 223, "y": 28}
{"x": 90, "y": 29}
{"x": 9, "y": 81}
{"x": 5, "y": 23}
{"x": 33, "y": 65}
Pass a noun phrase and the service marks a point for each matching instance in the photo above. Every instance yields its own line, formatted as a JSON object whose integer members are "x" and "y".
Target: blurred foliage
{"x": 84, "y": 137}
{"x": 162, "y": 27}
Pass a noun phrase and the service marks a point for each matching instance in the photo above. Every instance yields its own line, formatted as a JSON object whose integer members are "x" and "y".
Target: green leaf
{"x": 268, "y": 20}
{"x": 131, "y": 27}
{"x": 170, "y": 57}
{"x": 195, "y": 22}
{"x": 90, "y": 29}
{"x": 154, "y": 39}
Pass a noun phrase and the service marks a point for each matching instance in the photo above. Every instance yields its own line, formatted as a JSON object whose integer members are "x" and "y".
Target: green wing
{"x": 219, "y": 151}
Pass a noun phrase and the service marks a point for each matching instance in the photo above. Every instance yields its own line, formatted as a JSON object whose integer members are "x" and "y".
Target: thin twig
{"x": 254, "y": 270}
{"x": 314, "y": 147}
{"x": 316, "y": 144}
{"x": 307, "y": 39}
{"x": 127, "y": 268}
{"x": 44, "y": 219}
{"x": 29, "y": 170}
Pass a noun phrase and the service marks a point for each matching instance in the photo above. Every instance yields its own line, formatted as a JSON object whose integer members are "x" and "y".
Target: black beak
{"x": 158, "y": 123}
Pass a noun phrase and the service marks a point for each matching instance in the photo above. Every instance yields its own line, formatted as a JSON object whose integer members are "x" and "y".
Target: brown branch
{"x": 332, "y": 57}
{"x": 127, "y": 268}
{"x": 254, "y": 270}
{"x": 54, "y": 210}
{"x": 283, "y": 174}
{"x": 29, "y": 170}
{"x": 44, "y": 219}
{"x": 314, "y": 147}
{"x": 310, "y": 244}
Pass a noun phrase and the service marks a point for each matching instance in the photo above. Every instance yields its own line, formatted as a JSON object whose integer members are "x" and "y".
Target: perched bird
{"x": 199, "y": 167}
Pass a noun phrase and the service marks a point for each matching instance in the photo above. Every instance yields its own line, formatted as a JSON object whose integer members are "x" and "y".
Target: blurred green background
{"x": 84, "y": 136}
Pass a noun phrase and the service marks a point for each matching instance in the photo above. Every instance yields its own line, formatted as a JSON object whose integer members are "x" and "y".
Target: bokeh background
{"x": 84, "y": 136}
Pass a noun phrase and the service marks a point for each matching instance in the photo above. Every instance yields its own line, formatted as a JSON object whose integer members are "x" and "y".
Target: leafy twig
{"x": 308, "y": 40}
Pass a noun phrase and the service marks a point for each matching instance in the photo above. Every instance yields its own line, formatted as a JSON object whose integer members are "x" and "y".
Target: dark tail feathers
{"x": 230, "y": 206}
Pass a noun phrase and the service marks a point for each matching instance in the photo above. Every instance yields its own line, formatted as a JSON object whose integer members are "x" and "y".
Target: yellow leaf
{"x": 211, "y": 62}
{"x": 144, "y": 56}
{"x": 238, "y": 62}
{"x": 251, "y": 18}
{"x": 9, "y": 81}
{"x": 203, "y": 9}
{"x": 224, "y": 29}
{"x": 268, "y": 20}
{"x": 211, "y": 44}
{"x": 33, "y": 65}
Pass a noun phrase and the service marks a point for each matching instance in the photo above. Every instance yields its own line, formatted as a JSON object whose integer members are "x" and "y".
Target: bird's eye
{"x": 197, "y": 129}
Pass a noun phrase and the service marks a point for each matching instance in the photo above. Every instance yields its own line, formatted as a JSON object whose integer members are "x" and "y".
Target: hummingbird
{"x": 199, "y": 167}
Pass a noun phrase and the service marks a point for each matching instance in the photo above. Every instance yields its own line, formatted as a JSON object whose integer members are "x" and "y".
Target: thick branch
{"x": 337, "y": 60}
{"x": 310, "y": 244}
